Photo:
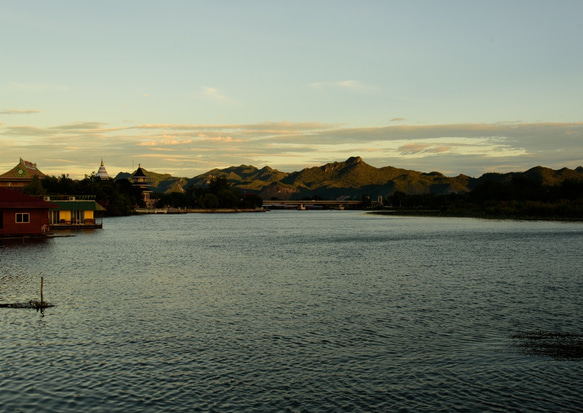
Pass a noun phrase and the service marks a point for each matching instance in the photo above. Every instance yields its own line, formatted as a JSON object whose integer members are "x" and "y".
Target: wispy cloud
{"x": 214, "y": 94}
{"x": 420, "y": 148}
{"x": 191, "y": 149}
{"x": 413, "y": 148}
{"x": 24, "y": 131}
{"x": 354, "y": 86}
{"x": 18, "y": 112}
{"x": 81, "y": 127}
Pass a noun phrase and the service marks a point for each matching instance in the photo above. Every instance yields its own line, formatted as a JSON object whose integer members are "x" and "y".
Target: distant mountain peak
{"x": 352, "y": 178}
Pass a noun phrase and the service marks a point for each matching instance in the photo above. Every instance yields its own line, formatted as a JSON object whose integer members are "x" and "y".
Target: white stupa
{"x": 102, "y": 173}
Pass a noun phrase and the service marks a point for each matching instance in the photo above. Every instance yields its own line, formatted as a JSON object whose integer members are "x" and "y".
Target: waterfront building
{"x": 21, "y": 175}
{"x": 23, "y": 215}
{"x": 75, "y": 213}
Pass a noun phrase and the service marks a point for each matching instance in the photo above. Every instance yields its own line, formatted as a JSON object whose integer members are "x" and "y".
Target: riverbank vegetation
{"x": 519, "y": 198}
{"x": 516, "y": 197}
{"x": 217, "y": 194}
{"x": 120, "y": 197}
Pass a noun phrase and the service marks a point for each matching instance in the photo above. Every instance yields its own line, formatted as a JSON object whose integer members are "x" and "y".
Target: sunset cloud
{"x": 250, "y": 88}
{"x": 81, "y": 127}
{"x": 214, "y": 94}
{"x": 18, "y": 112}
{"x": 465, "y": 148}
{"x": 167, "y": 142}
{"x": 413, "y": 148}
{"x": 348, "y": 85}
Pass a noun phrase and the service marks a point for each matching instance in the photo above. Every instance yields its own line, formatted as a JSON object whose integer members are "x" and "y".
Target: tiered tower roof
{"x": 139, "y": 178}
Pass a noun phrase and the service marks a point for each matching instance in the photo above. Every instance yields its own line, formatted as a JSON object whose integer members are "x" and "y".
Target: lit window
{"x": 22, "y": 218}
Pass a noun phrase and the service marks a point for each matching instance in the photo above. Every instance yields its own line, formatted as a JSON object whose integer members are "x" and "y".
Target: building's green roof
{"x": 24, "y": 171}
{"x": 81, "y": 205}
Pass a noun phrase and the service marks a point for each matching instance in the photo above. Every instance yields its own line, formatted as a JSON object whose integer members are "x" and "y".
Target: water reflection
{"x": 24, "y": 242}
{"x": 294, "y": 311}
{"x": 554, "y": 344}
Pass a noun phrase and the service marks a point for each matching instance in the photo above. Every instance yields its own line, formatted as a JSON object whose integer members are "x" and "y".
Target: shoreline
{"x": 441, "y": 214}
{"x": 392, "y": 212}
{"x": 144, "y": 211}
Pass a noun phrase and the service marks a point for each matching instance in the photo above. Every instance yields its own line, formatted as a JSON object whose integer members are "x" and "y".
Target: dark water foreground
{"x": 295, "y": 311}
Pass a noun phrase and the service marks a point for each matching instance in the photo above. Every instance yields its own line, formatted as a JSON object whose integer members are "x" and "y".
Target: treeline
{"x": 218, "y": 193}
{"x": 518, "y": 197}
{"x": 119, "y": 197}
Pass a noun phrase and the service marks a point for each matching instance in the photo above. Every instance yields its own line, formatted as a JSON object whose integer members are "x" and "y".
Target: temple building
{"x": 20, "y": 176}
{"x": 102, "y": 173}
{"x": 139, "y": 179}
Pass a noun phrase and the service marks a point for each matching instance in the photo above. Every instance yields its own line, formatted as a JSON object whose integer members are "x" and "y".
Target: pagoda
{"x": 139, "y": 179}
{"x": 102, "y": 174}
{"x": 21, "y": 175}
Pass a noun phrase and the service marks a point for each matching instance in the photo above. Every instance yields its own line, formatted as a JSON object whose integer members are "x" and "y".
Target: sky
{"x": 182, "y": 87}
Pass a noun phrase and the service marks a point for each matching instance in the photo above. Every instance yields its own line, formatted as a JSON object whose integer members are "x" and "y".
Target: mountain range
{"x": 350, "y": 179}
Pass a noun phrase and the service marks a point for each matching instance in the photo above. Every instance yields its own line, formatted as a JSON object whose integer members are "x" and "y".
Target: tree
{"x": 398, "y": 199}
{"x": 35, "y": 187}
{"x": 251, "y": 201}
{"x": 228, "y": 198}
{"x": 218, "y": 183}
{"x": 209, "y": 201}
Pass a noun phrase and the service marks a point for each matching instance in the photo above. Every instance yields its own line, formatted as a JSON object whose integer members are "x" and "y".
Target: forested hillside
{"x": 354, "y": 178}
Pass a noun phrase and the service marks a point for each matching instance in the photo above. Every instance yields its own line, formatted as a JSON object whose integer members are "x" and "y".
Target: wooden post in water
{"x": 42, "y": 279}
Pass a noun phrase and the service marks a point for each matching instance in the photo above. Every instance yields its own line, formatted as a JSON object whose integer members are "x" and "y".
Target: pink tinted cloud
{"x": 413, "y": 148}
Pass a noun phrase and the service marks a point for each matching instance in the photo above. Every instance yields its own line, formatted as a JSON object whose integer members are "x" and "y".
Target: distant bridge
{"x": 306, "y": 204}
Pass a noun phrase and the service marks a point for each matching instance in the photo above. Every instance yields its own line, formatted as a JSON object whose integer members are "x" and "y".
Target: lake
{"x": 294, "y": 311}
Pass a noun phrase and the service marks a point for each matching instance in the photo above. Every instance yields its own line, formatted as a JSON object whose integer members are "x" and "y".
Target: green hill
{"x": 352, "y": 179}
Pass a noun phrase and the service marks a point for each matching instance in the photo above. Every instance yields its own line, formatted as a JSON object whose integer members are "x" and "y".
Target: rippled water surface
{"x": 292, "y": 311}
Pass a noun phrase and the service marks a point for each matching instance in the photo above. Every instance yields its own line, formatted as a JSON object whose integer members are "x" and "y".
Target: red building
{"x": 22, "y": 215}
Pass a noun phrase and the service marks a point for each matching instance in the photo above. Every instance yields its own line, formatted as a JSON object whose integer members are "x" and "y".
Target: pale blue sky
{"x": 182, "y": 87}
